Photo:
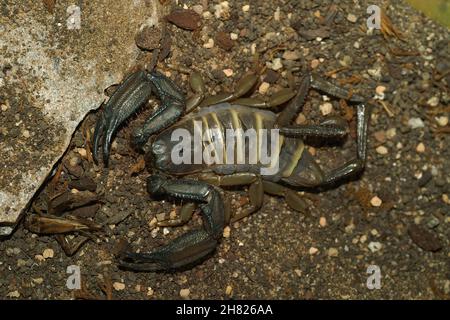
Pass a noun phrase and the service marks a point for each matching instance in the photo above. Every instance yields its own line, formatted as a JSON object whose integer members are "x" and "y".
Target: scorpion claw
{"x": 131, "y": 94}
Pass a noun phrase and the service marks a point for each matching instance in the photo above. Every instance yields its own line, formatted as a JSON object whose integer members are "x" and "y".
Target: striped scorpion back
{"x": 289, "y": 160}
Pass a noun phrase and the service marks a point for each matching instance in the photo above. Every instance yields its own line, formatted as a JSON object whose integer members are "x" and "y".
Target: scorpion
{"x": 200, "y": 185}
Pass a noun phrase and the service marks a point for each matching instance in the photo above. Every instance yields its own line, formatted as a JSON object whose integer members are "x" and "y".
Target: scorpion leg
{"x": 357, "y": 164}
{"x": 333, "y": 127}
{"x": 198, "y": 86}
{"x": 278, "y": 98}
{"x": 190, "y": 247}
{"x": 255, "y": 191}
{"x": 242, "y": 87}
{"x": 290, "y": 196}
{"x": 332, "y": 89}
{"x": 288, "y": 114}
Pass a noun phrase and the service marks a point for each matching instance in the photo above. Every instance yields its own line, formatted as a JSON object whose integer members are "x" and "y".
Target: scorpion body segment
{"x": 295, "y": 164}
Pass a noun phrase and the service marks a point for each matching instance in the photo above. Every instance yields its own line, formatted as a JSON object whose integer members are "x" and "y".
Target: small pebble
{"x": 228, "y": 72}
{"x": 82, "y": 152}
{"x": 326, "y": 108}
{"x": 4, "y": 107}
{"x": 276, "y": 64}
{"x": 118, "y": 286}
{"x": 415, "y": 123}
{"x": 263, "y": 88}
{"x": 184, "y": 293}
{"x": 301, "y": 119}
{"x": 209, "y": 44}
{"x": 26, "y": 133}
{"x": 291, "y": 55}
{"x": 446, "y": 198}
{"x": 442, "y": 121}
{"x": 433, "y": 102}
{"x": 245, "y": 8}
{"x": 13, "y": 294}
{"x": 382, "y": 150}
{"x": 315, "y": 63}
{"x": 313, "y": 250}
{"x": 420, "y": 148}
{"x": 39, "y": 257}
{"x": 433, "y": 222}
{"x": 229, "y": 290}
{"x": 277, "y": 14}
{"x": 233, "y": 36}
{"x": 226, "y": 232}
{"x": 198, "y": 8}
{"x": 38, "y": 280}
{"x": 333, "y": 252}
{"x": 374, "y": 246}
{"x": 48, "y": 253}
{"x": 390, "y": 133}
{"x": 322, "y": 222}
{"x": 352, "y": 18}
{"x": 380, "y": 136}
{"x": 376, "y": 202}
{"x": 149, "y": 292}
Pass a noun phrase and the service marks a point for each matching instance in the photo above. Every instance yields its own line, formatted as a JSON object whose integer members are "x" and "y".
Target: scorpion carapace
{"x": 201, "y": 182}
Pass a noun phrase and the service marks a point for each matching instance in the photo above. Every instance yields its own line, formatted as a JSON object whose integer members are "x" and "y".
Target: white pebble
{"x": 326, "y": 108}
{"x": 245, "y": 8}
{"x": 198, "y": 8}
{"x": 277, "y": 14}
{"x": 382, "y": 150}
{"x": 4, "y": 107}
{"x": 376, "y": 202}
{"x": 433, "y": 102}
{"x": 374, "y": 246}
{"x": 118, "y": 286}
{"x": 420, "y": 148}
{"x": 184, "y": 293}
{"x": 333, "y": 252}
{"x": 263, "y": 88}
{"x": 228, "y": 72}
{"x": 313, "y": 250}
{"x": 26, "y": 133}
{"x": 226, "y": 232}
{"x": 209, "y": 44}
{"x": 276, "y": 64}
{"x": 48, "y": 253}
{"x": 415, "y": 123}
{"x": 233, "y": 36}
{"x": 442, "y": 121}
{"x": 351, "y": 17}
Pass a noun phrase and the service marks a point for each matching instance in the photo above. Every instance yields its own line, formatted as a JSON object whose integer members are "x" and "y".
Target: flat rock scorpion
{"x": 199, "y": 185}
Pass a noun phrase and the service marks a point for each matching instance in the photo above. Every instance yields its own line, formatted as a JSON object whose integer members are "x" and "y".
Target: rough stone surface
{"x": 51, "y": 75}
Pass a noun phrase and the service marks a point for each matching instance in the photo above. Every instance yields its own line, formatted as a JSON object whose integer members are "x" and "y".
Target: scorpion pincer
{"x": 199, "y": 185}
